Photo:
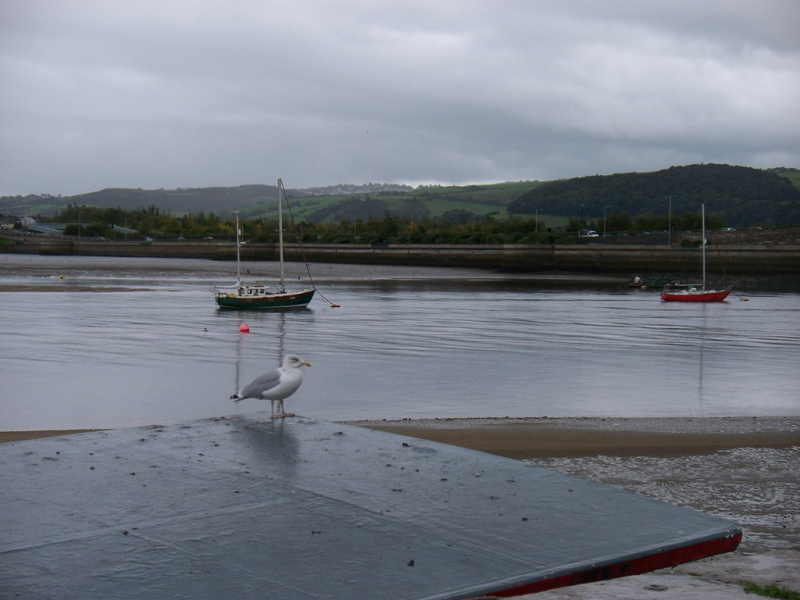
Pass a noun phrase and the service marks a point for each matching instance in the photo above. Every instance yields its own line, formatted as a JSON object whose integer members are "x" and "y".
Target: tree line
{"x": 464, "y": 228}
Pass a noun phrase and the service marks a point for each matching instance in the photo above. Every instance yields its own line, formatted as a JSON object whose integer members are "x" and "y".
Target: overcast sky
{"x": 194, "y": 93}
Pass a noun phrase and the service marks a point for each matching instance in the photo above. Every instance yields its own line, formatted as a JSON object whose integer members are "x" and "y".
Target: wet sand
{"x": 530, "y": 438}
{"x": 19, "y": 436}
{"x": 743, "y": 469}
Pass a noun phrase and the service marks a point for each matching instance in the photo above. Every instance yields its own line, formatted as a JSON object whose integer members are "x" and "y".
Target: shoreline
{"x": 25, "y": 277}
{"x": 771, "y": 265}
{"x": 571, "y": 437}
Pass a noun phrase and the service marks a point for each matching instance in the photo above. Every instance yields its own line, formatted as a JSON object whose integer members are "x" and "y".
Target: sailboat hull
{"x": 279, "y": 300}
{"x": 694, "y": 295}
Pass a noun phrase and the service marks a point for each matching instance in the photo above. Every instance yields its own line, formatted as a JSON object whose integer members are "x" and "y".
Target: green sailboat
{"x": 256, "y": 295}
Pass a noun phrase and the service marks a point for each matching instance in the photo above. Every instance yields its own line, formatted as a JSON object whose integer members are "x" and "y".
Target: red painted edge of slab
{"x": 637, "y": 566}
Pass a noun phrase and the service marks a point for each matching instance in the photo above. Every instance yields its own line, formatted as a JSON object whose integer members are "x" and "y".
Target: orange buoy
{"x": 244, "y": 328}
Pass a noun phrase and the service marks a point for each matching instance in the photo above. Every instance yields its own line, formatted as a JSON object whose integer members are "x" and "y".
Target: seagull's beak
{"x": 308, "y": 364}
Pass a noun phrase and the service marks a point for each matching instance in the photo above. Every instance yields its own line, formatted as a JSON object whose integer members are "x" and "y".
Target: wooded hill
{"x": 742, "y": 196}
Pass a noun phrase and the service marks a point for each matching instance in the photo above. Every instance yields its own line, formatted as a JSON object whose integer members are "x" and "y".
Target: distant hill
{"x": 741, "y": 195}
{"x": 456, "y": 203}
{"x": 744, "y": 196}
{"x": 179, "y": 201}
{"x": 330, "y": 203}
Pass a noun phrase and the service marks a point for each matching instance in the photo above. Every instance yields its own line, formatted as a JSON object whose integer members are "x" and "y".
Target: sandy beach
{"x": 740, "y": 468}
{"x": 533, "y": 438}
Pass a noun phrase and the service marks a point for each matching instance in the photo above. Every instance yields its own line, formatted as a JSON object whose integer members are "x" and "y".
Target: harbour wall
{"x": 645, "y": 261}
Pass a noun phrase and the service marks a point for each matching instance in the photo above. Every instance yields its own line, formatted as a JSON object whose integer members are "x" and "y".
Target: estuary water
{"x": 89, "y": 342}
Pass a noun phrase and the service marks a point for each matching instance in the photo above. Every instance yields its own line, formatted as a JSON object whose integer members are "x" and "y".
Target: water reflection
{"x": 277, "y": 319}
{"x": 273, "y": 447}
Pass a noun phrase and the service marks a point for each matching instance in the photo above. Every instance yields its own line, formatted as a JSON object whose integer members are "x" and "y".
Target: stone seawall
{"x": 645, "y": 261}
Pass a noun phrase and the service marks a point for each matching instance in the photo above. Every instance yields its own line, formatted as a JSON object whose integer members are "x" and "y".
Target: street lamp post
{"x": 537, "y": 220}
{"x": 580, "y": 222}
{"x": 669, "y": 223}
{"x": 604, "y": 221}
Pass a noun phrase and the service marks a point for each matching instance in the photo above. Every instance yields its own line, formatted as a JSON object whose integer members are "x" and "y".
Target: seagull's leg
{"x": 280, "y": 405}
{"x": 284, "y": 413}
{"x": 272, "y": 408}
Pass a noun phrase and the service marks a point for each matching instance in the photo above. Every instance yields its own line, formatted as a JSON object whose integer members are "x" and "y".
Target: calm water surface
{"x": 140, "y": 341}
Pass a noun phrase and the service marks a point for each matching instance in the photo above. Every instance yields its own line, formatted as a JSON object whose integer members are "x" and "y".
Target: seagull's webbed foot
{"x": 282, "y": 415}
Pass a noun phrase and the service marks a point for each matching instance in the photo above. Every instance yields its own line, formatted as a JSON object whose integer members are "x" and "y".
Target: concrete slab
{"x": 241, "y": 508}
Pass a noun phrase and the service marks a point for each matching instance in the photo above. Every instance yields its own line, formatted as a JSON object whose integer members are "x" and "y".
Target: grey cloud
{"x": 187, "y": 94}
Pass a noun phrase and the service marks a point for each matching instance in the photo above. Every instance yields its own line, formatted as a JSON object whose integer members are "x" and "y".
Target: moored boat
{"x": 693, "y": 292}
{"x": 258, "y": 295}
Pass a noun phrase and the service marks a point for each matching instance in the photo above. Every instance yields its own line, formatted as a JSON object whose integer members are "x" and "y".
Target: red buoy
{"x": 244, "y": 328}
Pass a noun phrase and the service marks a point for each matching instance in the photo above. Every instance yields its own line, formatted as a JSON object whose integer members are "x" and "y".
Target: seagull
{"x": 276, "y": 385}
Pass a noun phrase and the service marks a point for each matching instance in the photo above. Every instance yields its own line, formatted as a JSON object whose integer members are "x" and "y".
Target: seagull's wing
{"x": 261, "y": 384}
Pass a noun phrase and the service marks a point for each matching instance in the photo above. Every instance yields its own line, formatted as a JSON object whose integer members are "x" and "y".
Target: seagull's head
{"x": 294, "y": 362}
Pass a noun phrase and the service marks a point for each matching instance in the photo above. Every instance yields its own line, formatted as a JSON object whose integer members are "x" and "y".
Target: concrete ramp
{"x": 241, "y": 508}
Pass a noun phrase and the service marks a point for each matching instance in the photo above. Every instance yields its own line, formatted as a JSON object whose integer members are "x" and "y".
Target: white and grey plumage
{"x": 276, "y": 385}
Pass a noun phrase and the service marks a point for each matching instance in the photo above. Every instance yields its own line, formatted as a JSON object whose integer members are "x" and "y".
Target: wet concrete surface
{"x": 746, "y": 469}
{"x": 239, "y": 507}
{"x": 758, "y": 488}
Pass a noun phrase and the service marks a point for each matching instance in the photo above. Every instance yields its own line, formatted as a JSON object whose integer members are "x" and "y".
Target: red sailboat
{"x": 693, "y": 293}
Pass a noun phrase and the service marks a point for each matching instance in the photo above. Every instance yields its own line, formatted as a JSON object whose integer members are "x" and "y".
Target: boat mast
{"x": 238, "y": 268}
{"x": 703, "y": 243}
{"x": 280, "y": 227}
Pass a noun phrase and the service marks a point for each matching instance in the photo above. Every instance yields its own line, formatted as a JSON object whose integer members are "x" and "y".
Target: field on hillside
{"x": 793, "y": 176}
{"x": 484, "y": 200}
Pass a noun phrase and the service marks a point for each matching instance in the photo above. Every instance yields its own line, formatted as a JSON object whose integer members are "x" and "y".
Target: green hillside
{"x": 178, "y": 201}
{"x": 348, "y": 202}
{"x": 742, "y": 195}
{"x": 430, "y": 201}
